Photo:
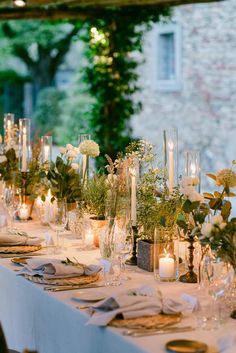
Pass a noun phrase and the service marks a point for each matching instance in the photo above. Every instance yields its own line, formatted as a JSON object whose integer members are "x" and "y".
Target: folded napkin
{"x": 55, "y": 268}
{"x": 143, "y": 301}
{"x": 8, "y": 239}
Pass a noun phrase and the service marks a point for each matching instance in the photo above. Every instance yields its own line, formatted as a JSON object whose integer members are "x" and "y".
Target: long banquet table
{"x": 50, "y": 322}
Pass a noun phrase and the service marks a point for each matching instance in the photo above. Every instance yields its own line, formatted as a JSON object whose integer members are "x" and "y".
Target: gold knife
{"x": 72, "y": 287}
{"x": 152, "y": 332}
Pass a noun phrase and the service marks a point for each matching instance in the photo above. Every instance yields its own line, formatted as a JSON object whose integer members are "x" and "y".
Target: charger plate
{"x": 186, "y": 346}
{"x": 19, "y": 249}
{"x": 148, "y": 322}
{"x": 63, "y": 281}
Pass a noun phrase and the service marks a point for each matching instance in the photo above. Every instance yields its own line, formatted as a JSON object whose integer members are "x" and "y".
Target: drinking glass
{"x": 217, "y": 277}
{"x": 58, "y": 221}
{"x": 122, "y": 248}
{"x": 11, "y": 203}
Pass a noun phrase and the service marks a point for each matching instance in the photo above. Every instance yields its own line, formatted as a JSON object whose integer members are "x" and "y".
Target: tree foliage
{"x": 40, "y": 45}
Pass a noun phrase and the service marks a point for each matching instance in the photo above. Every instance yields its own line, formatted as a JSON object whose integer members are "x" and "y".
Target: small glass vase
{"x": 107, "y": 240}
{"x": 166, "y": 257}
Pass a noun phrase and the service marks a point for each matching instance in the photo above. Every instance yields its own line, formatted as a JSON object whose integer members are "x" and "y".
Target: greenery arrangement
{"x": 10, "y": 174}
{"x": 64, "y": 177}
{"x": 95, "y": 196}
{"x": 220, "y": 232}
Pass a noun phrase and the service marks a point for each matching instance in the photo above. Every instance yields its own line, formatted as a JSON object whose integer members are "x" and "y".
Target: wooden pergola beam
{"x": 89, "y": 9}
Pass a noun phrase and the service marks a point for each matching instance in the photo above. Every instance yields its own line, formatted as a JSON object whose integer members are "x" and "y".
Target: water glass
{"x": 58, "y": 221}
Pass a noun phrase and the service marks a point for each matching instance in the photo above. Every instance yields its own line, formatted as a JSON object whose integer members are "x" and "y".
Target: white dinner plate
{"x": 89, "y": 296}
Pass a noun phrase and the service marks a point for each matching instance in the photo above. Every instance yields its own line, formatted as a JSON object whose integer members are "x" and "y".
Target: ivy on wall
{"x": 111, "y": 75}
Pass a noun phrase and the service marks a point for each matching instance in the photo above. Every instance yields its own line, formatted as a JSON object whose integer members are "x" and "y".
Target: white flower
{"x": 218, "y": 219}
{"x": 62, "y": 150}
{"x": 222, "y": 225}
{"x": 187, "y": 190}
{"x": 89, "y": 148}
{"x": 206, "y": 229}
{"x": 69, "y": 147}
{"x": 75, "y": 166}
{"x": 189, "y": 181}
{"x": 195, "y": 196}
{"x": 3, "y": 159}
{"x": 71, "y": 154}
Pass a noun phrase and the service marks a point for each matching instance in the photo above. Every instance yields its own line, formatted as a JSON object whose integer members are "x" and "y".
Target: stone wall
{"x": 204, "y": 110}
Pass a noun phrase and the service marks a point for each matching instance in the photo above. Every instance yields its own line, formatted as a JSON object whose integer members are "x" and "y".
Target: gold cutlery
{"x": 72, "y": 287}
{"x": 152, "y": 332}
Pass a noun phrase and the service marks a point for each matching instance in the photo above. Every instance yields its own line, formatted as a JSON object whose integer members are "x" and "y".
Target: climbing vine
{"x": 110, "y": 72}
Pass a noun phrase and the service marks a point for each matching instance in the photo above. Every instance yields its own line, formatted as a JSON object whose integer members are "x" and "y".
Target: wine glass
{"x": 58, "y": 220}
{"x": 11, "y": 203}
{"x": 217, "y": 278}
{"x": 122, "y": 248}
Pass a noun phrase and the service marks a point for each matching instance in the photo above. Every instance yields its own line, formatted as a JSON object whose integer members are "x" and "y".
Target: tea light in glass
{"x": 192, "y": 166}
{"x": 23, "y": 212}
{"x": 88, "y": 238}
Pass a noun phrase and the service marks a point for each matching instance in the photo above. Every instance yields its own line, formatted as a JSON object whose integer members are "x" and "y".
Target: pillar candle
{"x": 24, "y": 212}
{"x": 24, "y": 151}
{"x": 88, "y": 240}
{"x": 166, "y": 267}
{"x": 46, "y": 153}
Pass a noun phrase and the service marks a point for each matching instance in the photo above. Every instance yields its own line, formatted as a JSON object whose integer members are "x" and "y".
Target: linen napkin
{"x": 143, "y": 301}
{"x": 55, "y": 268}
{"x": 8, "y": 239}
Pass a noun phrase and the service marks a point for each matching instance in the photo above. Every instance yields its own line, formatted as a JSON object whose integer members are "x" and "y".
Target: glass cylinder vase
{"x": 84, "y": 160}
{"x": 170, "y": 145}
{"x": 24, "y": 145}
{"x": 46, "y": 149}
{"x": 192, "y": 166}
{"x": 8, "y": 129}
{"x": 166, "y": 256}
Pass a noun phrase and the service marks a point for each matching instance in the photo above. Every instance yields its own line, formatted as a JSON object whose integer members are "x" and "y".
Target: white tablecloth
{"x": 50, "y": 323}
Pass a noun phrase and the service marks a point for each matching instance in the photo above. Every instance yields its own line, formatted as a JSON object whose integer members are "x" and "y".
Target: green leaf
{"x": 226, "y": 209}
{"x": 212, "y": 176}
{"x": 215, "y": 204}
{"x": 208, "y": 195}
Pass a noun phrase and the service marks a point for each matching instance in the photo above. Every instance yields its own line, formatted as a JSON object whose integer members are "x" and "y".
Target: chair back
{"x": 3, "y": 343}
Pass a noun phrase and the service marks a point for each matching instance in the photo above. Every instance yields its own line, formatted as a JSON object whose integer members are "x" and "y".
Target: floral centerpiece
{"x": 219, "y": 233}
{"x": 64, "y": 177}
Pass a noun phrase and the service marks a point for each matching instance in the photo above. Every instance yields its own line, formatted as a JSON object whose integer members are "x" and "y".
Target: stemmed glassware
{"x": 58, "y": 221}
{"x": 217, "y": 277}
{"x": 11, "y": 203}
{"x": 122, "y": 247}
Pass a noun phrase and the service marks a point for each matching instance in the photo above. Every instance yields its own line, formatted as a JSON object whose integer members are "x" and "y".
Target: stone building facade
{"x": 200, "y": 97}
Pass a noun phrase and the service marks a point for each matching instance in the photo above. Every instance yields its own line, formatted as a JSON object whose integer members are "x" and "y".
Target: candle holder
{"x": 8, "y": 128}
{"x": 46, "y": 149}
{"x": 133, "y": 259}
{"x": 190, "y": 276}
{"x": 170, "y": 145}
{"x": 24, "y": 145}
{"x": 166, "y": 257}
{"x": 192, "y": 166}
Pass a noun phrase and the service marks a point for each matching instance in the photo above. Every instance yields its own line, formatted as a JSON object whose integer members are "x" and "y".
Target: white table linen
{"x": 50, "y": 323}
